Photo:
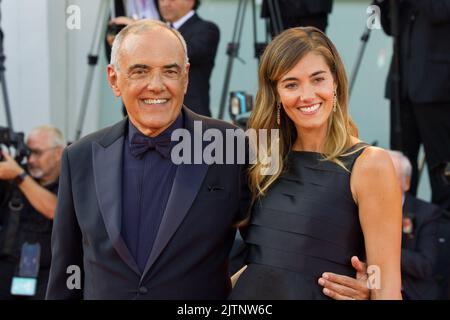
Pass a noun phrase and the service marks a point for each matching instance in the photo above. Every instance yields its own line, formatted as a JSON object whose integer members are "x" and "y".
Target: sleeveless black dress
{"x": 306, "y": 224}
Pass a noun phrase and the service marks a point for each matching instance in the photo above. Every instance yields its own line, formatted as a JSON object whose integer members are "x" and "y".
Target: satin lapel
{"x": 187, "y": 183}
{"x": 107, "y": 157}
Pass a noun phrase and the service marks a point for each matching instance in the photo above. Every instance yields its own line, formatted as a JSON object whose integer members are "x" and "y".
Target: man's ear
{"x": 58, "y": 153}
{"x": 186, "y": 80}
{"x": 113, "y": 79}
{"x": 407, "y": 182}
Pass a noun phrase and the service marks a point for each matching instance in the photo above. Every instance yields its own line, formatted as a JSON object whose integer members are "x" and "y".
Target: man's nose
{"x": 155, "y": 82}
{"x": 31, "y": 158}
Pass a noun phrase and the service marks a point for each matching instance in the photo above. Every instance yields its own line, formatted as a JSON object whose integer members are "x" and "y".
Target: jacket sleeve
{"x": 419, "y": 263}
{"x": 437, "y": 11}
{"x": 66, "y": 242}
{"x": 385, "y": 15}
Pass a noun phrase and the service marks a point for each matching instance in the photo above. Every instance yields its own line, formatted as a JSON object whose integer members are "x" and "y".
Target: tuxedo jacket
{"x": 424, "y": 27}
{"x": 419, "y": 249}
{"x": 189, "y": 256}
{"x": 202, "y": 39}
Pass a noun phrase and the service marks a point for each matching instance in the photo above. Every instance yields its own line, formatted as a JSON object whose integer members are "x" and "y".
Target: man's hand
{"x": 117, "y": 21}
{"x": 9, "y": 168}
{"x": 122, "y": 20}
{"x": 341, "y": 287}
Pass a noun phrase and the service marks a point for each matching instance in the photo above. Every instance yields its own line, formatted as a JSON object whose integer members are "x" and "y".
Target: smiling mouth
{"x": 311, "y": 109}
{"x": 154, "y": 101}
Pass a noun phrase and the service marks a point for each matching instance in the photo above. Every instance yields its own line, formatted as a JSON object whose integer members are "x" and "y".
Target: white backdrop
{"x": 46, "y": 63}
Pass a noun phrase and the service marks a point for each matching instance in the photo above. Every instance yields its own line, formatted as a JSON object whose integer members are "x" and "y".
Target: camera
{"x": 241, "y": 105}
{"x": 447, "y": 172}
{"x": 113, "y": 29}
{"x": 16, "y": 140}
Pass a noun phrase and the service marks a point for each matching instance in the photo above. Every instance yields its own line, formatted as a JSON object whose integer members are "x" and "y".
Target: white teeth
{"x": 155, "y": 101}
{"x": 311, "y": 108}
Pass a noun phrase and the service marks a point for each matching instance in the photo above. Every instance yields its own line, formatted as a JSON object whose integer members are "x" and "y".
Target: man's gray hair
{"x": 139, "y": 27}
{"x": 404, "y": 162}
{"x": 57, "y": 138}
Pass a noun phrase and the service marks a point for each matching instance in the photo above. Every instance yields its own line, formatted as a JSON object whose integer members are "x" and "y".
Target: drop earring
{"x": 334, "y": 99}
{"x": 279, "y": 114}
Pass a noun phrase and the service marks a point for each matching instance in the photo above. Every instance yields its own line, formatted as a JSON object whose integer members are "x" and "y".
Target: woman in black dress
{"x": 332, "y": 196}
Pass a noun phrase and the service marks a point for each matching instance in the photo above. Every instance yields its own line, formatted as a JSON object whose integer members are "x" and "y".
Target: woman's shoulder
{"x": 370, "y": 158}
{"x": 373, "y": 172}
{"x": 373, "y": 158}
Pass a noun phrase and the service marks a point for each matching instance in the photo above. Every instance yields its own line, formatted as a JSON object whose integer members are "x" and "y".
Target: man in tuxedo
{"x": 202, "y": 38}
{"x": 299, "y": 13}
{"x": 136, "y": 224}
{"x": 133, "y": 223}
{"x": 419, "y": 238}
{"x": 424, "y": 54}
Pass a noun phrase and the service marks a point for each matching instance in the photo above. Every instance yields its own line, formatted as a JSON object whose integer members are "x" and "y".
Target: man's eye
{"x": 138, "y": 73}
{"x": 171, "y": 74}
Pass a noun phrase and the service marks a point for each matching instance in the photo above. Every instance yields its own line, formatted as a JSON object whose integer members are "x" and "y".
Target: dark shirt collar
{"x": 177, "y": 124}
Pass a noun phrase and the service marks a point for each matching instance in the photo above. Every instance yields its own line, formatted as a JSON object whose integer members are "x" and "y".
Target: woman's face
{"x": 306, "y": 92}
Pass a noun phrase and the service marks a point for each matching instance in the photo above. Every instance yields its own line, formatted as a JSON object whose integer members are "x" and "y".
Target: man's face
{"x": 402, "y": 179}
{"x": 173, "y": 10}
{"x": 152, "y": 79}
{"x": 44, "y": 160}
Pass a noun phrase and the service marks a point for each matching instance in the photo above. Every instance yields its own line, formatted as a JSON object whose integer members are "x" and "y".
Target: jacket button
{"x": 143, "y": 290}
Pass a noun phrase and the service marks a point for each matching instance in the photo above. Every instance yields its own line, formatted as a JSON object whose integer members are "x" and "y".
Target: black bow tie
{"x": 140, "y": 144}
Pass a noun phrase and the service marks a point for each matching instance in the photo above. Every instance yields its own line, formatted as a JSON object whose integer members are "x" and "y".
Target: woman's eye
{"x": 317, "y": 80}
{"x": 290, "y": 85}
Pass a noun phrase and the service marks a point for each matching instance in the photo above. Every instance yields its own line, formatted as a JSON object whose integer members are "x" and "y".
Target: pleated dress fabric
{"x": 306, "y": 224}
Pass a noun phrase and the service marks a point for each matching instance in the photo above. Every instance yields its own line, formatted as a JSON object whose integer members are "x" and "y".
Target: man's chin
{"x": 36, "y": 174}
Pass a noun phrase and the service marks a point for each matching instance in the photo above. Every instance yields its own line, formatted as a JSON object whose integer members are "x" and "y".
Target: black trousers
{"x": 427, "y": 124}
{"x": 319, "y": 21}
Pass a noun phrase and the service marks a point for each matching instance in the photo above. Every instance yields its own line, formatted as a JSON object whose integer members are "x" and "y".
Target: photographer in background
{"x": 38, "y": 190}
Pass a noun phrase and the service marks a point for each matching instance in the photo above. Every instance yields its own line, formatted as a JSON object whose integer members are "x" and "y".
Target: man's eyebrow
{"x": 138, "y": 66}
{"x": 172, "y": 66}
{"x": 146, "y": 67}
